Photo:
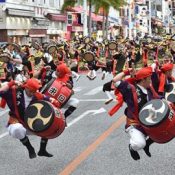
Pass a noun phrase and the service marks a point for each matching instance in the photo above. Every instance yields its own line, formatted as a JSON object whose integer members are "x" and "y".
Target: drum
{"x": 44, "y": 120}
{"x": 35, "y": 45}
{"x": 89, "y": 56}
{"x": 112, "y": 45}
{"x": 5, "y": 57}
{"x": 157, "y": 119}
{"x": 52, "y": 49}
{"x": 170, "y": 92}
{"x": 172, "y": 46}
{"x": 2, "y": 70}
{"x": 58, "y": 90}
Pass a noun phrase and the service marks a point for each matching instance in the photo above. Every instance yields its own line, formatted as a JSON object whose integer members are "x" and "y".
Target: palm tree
{"x": 105, "y": 4}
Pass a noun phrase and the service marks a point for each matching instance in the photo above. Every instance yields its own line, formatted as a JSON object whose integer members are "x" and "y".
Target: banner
{"x": 2, "y": 1}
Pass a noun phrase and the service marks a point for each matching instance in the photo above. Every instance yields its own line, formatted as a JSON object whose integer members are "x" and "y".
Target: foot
{"x": 32, "y": 154}
{"x": 146, "y": 149}
{"x": 44, "y": 153}
{"x": 88, "y": 77}
{"x": 134, "y": 154}
{"x": 93, "y": 78}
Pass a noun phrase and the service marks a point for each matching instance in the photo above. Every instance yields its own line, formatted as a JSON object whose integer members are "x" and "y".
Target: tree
{"x": 104, "y": 4}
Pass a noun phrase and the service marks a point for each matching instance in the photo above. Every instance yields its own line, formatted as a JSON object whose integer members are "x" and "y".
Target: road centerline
{"x": 92, "y": 147}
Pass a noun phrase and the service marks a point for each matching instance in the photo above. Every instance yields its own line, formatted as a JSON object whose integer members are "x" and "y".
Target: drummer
{"x": 64, "y": 75}
{"x": 165, "y": 77}
{"x": 136, "y": 95}
{"x": 18, "y": 98}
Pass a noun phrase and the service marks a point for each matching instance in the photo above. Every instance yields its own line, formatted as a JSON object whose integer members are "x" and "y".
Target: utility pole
{"x": 150, "y": 28}
{"x": 85, "y": 29}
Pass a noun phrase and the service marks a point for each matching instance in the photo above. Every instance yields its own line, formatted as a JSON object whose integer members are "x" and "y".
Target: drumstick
{"x": 110, "y": 98}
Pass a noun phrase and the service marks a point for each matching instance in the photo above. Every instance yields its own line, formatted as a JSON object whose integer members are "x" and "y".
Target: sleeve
{"x": 4, "y": 94}
{"x": 125, "y": 89}
{"x": 116, "y": 84}
{"x": 122, "y": 85}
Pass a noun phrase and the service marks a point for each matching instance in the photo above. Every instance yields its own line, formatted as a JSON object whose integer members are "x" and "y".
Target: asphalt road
{"x": 92, "y": 144}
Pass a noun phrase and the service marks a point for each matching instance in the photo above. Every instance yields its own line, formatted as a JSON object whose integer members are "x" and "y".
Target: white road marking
{"x": 3, "y": 135}
{"x": 94, "y": 91}
{"x": 89, "y": 100}
{"x": 108, "y": 94}
{"x": 77, "y": 89}
{"x": 94, "y": 112}
{"x": 94, "y": 100}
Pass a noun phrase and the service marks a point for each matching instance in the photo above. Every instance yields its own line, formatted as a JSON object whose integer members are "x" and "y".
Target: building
{"x": 24, "y": 20}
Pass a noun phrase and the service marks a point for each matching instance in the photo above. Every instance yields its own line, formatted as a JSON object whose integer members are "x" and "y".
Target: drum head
{"x": 39, "y": 116}
{"x": 112, "y": 45}
{"x": 52, "y": 49}
{"x": 170, "y": 92}
{"x": 5, "y": 57}
{"x": 35, "y": 45}
{"x": 89, "y": 56}
{"x": 154, "y": 112}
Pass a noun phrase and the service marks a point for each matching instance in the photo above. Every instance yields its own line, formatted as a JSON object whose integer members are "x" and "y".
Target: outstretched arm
{"x": 121, "y": 75}
{"x": 9, "y": 85}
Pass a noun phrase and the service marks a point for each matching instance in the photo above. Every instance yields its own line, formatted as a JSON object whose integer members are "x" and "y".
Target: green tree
{"x": 105, "y": 4}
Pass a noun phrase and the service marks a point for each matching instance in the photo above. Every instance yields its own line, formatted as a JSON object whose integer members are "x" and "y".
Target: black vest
{"x": 141, "y": 97}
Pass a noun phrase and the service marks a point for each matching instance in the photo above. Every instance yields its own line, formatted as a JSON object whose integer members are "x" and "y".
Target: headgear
{"x": 32, "y": 84}
{"x": 62, "y": 69}
{"x": 143, "y": 73}
{"x": 167, "y": 67}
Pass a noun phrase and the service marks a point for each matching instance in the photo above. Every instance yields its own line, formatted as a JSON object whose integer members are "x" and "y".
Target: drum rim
{"x": 91, "y": 53}
{"x": 51, "y": 121}
{"x": 5, "y": 55}
{"x": 166, "y": 91}
{"x": 155, "y": 124}
{"x": 51, "y": 46}
{"x": 112, "y": 42}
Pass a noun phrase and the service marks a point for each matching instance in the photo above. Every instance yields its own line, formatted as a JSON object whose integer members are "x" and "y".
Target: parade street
{"x": 92, "y": 144}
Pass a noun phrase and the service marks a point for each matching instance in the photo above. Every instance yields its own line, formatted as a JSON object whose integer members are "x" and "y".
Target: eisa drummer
{"x": 165, "y": 77}
{"x": 18, "y": 99}
{"x": 136, "y": 95}
{"x": 64, "y": 75}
